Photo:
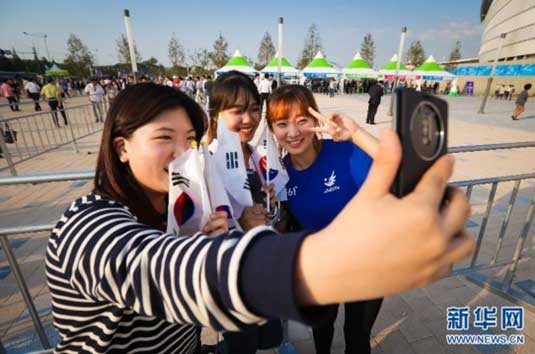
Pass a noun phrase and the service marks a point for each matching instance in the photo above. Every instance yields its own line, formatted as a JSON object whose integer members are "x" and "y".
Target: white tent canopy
{"x": 237, "y": 62}
{"x": 431, "y": 70}
{"x": 359, "y": 68}
{"x": 319, "y": 67}
{"x": 287, "y": 69}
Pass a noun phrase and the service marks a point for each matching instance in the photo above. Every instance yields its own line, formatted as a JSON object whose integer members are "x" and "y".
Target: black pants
{"x": 372, "y": 110}
{"x": 253, "y": 338}
{"x": 359, "y": 319}
{"x": 263, "y": 99}
{"x": 35, "y": 98}
{"x": 54, "y": 110}
{"x": 13, "y": 103}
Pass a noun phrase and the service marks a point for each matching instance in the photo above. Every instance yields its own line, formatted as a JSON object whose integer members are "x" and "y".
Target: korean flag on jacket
{"x": 189, "y": 204}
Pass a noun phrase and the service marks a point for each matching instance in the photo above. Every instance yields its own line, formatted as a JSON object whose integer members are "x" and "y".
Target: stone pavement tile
{"x": 465, "y": 294}
{"x": 425, "y": 309}
{"x": 395, "y": 343}
{"x": 414, "y": 329}
{"x": 427, "y": 346}
{"x": 396, "y": 305}
{"x": 441, "y": 297}
{"x": 386, "y": 322}
{"x": 413, "y": 295}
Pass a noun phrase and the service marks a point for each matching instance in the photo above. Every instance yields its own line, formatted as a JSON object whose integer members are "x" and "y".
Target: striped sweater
{"x": 119, "y": 286}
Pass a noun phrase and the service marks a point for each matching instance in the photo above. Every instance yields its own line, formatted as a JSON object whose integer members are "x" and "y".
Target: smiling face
{"x": 291, "y": 133}
{"x": 150, "y": 149}
{"x": 242, "y": 119}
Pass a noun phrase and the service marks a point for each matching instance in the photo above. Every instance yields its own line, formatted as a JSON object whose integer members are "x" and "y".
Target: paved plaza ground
{"x": 413, "y": 322}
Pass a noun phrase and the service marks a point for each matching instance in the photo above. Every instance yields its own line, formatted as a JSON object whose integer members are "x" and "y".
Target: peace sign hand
{"x": 341, "y": 127}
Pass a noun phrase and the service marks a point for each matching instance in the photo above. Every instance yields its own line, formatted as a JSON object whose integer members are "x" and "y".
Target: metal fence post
{"x": 506, "y": 221}
{"x": 25, "y": 292}
{"x": 492, "y": 194}
{"x": 508, "y": 278}
{"x": 6, "y": 153}
{"x": 74, "y": 146}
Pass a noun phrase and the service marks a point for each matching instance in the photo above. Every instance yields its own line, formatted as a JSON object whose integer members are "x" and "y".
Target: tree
{"x": 416, "y": 53}
{"x": 219, "y": 55}
{"x": 176, "y": 52}
{"x": 455, "y": 52}
{"x": 123, "y": 51}
{"x": 265, "y": 52}
{"x": 200, "y": 62}
{"x": 79, "y": 59}
{"x": 367, "y": 49}
{"x": 311, "y": 47}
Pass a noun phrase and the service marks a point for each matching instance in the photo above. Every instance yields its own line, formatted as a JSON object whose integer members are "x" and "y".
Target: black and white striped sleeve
{"x": 224, "y": 283}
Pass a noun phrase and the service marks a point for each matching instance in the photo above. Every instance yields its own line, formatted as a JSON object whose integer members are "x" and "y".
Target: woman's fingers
{"x": 433, "y": 183}
{"x": 455, "y": 212}
{"x": 319, "y": 116}
{"x": 459, "y": 247}
{"x": 384, "y": 167}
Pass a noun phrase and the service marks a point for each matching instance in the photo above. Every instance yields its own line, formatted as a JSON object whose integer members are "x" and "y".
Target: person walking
{"x": 33, "y": 90}
{"x": 521, "y": 102}
{"x": 265, "y": 89}
{"x": 51, "y": 93}
{"x": 96, "y": 95}
{"x": 8, "y": 92}
{"x": 375, "y": 92}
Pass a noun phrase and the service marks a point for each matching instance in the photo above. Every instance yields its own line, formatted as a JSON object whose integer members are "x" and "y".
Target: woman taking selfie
{"x": 120, "y": 284}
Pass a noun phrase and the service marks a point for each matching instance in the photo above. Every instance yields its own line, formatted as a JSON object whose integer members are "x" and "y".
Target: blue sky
{"x": 341, "y": 25}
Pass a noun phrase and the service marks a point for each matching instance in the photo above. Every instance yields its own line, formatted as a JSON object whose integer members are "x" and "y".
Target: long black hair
{"x": 134, "y": 107}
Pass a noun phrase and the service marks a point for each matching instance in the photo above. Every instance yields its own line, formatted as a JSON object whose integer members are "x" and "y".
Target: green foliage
{"x": 265, "y": 52}
{"x": 311, "y": 47}
{"x": 176, "y": 52}
{"x": 123, "y": 51}
{"x": 455, "y": 52}
{"x": 416, "y": 53}
{"x": 219, "y": 54}
{"x": 367, "y": 49}
{"x": 79, "y": 59}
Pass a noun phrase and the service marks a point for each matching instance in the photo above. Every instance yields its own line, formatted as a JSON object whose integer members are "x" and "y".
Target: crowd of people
{"x": 125, "y": 284}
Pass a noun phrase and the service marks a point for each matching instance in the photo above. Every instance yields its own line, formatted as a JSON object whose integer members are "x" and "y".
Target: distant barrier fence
{"x": 25, "y": 137}
{"x": 502, "y": 287}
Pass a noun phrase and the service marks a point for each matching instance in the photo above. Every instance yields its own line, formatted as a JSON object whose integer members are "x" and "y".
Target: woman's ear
{"x": 119, "y": 144}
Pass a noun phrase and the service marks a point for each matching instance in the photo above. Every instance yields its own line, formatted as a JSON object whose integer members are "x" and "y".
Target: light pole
{"x": 396, "y": 75}
{"x": 491, "y": 77}
{"x": 40, "y": 35}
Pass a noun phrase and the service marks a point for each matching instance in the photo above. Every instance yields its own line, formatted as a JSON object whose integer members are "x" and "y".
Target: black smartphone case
{"x": 412, "y": 165}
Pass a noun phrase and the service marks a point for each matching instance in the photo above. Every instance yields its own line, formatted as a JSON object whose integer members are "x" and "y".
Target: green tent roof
{"x": 319, "y": 62}
{"x": 358, "y": 63}
{"x": 237, "y": 60}
{"x": 56, "y": 71}
{"x": 430, "y": 65}
{"x": 275, "y": 62}
{"x": 391, "y": 65}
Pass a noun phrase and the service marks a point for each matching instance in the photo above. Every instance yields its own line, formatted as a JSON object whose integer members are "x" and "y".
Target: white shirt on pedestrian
{"x": 95, "y": 92}
{"x": 264, "y": 86}
{"x": 32, "y": 87}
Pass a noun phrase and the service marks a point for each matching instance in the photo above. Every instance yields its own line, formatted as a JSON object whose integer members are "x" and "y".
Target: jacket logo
{"x": 330, "y": 183}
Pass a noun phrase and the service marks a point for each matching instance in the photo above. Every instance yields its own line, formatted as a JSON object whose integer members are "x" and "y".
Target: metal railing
{"x": 40, "y": 132}
{"x": 472, "y": 270}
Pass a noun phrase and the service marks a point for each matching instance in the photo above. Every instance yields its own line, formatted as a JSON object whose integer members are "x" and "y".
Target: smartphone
{"x": 421, "y": 121}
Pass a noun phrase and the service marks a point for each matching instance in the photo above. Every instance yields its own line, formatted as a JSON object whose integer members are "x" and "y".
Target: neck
{"x": 157, "y": 200}
{"x": 246, "y": 153}
{"x": 305, "y": 159}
